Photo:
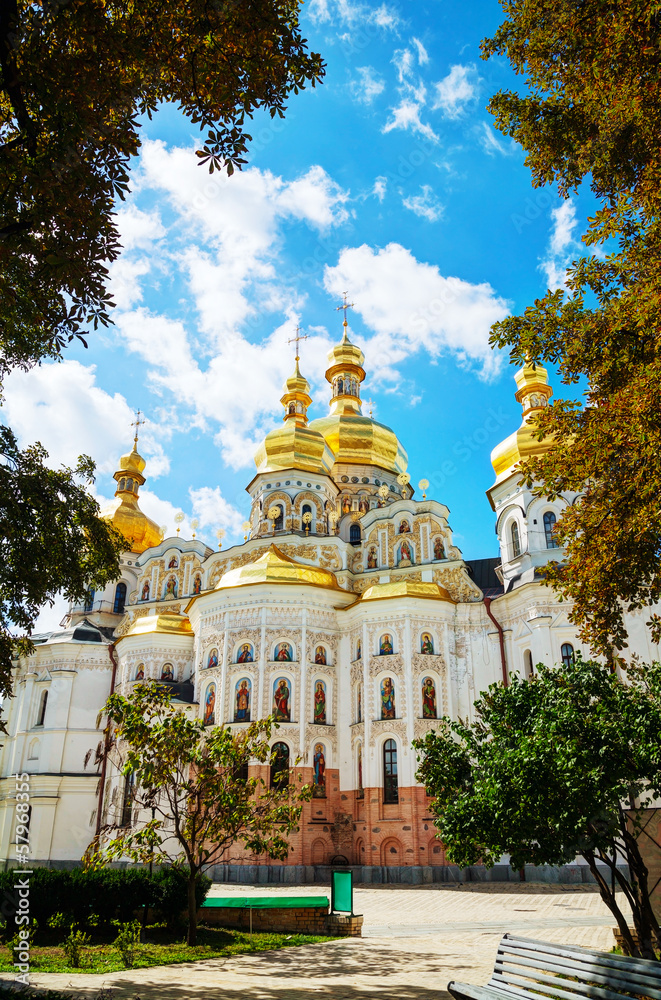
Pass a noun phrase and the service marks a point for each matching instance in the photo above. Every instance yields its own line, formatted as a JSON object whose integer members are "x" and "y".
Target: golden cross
{"x": 296, "y": 339}
{"x": 137, "y": 423}
{"x": 345, "y": 305}
{"x": 370, "y": 404}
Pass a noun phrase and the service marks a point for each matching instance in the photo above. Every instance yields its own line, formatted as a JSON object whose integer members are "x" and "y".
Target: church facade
{"x": 347, "y": 613}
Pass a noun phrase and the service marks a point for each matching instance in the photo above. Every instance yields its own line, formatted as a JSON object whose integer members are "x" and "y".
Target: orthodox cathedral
{"x": 347, "y": 613}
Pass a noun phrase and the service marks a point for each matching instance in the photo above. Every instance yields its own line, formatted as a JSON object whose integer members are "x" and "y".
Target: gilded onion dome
{"x": 295, "y": 445}
{"x": 124, "y": 512}
{"x": 353, "y": 438}
{"x": 407, "y": 588}
{"x": 169, "y": 624}
{"x": 533, "y": 392}
{"x": 275, "y": 567}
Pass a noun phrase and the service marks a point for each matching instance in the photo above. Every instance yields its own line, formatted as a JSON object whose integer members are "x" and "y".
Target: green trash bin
{"x": 342, "y": 891}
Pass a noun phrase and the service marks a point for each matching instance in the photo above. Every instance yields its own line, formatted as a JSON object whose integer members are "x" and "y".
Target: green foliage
{"x": 127, "y": 941}
{"x": 74, "y": 945}
{"x": 51, "y": 541}
{"x": 190, "y": 776}
{"x": 543, "y": 771}
{"x": 69, "y": 129}
{"x": 592, "y": 109}
{"x": 57, "y": 921}
{"x": 17, "y": 940}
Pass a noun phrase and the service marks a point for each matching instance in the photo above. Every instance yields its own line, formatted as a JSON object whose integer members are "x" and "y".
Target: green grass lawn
{"x": 162, "y": 948}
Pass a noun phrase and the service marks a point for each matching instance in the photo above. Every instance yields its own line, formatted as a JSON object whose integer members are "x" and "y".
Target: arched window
{"x": 306, "y": 516}
{"x": 279, "y": 522}
{"x": 390, "y": 793}
{"x": 42, "y": 709}
{"x": 89, "y": 600}
{"x": 549, "y": 526}
{"x": 567, "y": 654}
{"x": 516, "y": 542}
{"x": 240, "y": 773}
{"x": 528, "y": 667}
{"x": 122, "y": 484}
{"x": 120, "y": 599}
{"x": 354, "y": 534}
{"x": 127, "y": 801}
{"x": 279, "y": 765}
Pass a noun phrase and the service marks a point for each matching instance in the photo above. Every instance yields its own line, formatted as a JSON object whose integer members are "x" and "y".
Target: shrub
{"x": 74, "y": 944}
{"x": 127, "y": 941}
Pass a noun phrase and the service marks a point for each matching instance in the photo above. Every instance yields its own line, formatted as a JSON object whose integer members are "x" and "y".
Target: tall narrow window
{"x": 527, "y": 665}
{"x": 89, "y": 600}
{"x": 127, "y": 801}
{"x": 354, "y": 534}
{"x": 120, "y": 599}
{"x": 567, "y": 653}
{"x": 42, "y": 709}
{"x": 280, "y": 519}
{"x": 516, "y": 541}
{"x": 549, "y": 529}
{"x": 390, "y": 793}
{"x": 280, "y": 765}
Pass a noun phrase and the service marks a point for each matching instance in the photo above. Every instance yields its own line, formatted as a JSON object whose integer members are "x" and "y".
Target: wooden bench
{"x": 536, "y": 969}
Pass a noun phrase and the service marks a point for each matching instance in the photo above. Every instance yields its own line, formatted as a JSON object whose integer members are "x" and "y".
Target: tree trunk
{"x": 611, "y": 902}
{"x": 192, "y": 910}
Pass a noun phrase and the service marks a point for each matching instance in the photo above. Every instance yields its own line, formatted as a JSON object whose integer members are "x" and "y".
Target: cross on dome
{"x": 345, "y": 305}
{"x": 297, "y": 340}
{"x": 137, "y": 423}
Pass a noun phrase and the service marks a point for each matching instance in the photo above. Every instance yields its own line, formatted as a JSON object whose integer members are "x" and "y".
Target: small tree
{"x": 192, "y": 779}
{"x": 543, "y": 774}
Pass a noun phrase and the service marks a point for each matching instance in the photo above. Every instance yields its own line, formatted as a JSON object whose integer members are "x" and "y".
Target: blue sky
{"x": 388, "y": 181}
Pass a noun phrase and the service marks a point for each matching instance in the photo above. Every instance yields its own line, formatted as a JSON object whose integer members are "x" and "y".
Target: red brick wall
{"x": 306, "y": 920}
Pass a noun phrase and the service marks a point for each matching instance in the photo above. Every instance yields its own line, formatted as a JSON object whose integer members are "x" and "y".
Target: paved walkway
{"x": 415, "y": 940}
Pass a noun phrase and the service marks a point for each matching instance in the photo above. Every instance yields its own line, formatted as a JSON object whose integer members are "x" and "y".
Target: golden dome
{"x": 406, "y": 588}
{"x": 533, "y": 392}
{"x": 170, "y": 624}
{"x": 273, "y": 566}
{"x": 124, "y": 512}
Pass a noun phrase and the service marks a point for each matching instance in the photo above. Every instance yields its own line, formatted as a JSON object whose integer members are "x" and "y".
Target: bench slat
{"x": 464, "y": 991}
{"x": 642, "y": 966}
{"x": 555, "y": 987}
{"x": 592, "y": 972}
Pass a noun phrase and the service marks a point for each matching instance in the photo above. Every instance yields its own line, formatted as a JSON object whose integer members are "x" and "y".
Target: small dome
{"x": 132, "y": 463}
{"x": 140, "y": 531}
{"x": 273, "y": 566}
{"x": 406, "y": 588}
{"x": 294, "y": 446}
{"x": 170, "y": 624}
{"x": 533, "y": 392}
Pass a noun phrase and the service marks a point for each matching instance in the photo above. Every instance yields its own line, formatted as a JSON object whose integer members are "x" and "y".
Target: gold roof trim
{"x": 407, "y": 588}
{"x": 171, "y": 624}
{"x": 275, "y": 567}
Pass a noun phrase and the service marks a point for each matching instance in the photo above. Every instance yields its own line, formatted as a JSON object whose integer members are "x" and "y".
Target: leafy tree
{"x": 75, "y": 76}
{"x": 592, "y": 109}
{"x": 51, "y": 541}
{"x": 193, "y": 777}
{"x": 544, "y": 774}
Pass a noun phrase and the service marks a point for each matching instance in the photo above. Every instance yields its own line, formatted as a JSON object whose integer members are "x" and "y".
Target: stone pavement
{"x": 415, "y": 940}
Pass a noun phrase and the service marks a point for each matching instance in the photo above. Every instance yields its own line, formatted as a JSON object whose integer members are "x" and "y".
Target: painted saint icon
{"x": 428, "y": 698}
{"x": 359, "y": 704}
{"x": 145, "y": 591}
{"x": 320, "y": 655}
{"x": 371, "y": 558}
{"x": 281, "y": 697}
{"x": 242, "y": 710}
{"x": 213, "y": 658}
{"x": 140, "y": 672}
{"x": 385, "y": 646}
{"x": 363, "y": 506}
{"x": 319, "y": 777}
{"x": 438, "y": 549}
{"x": 283, "y": 652}
{"x": 167, "y": 673}
{"x": 173, "y": 563}
{"x": 320, "y": 703}
{"x": 171, "y": 587}
{"x": 404, "y": 526}
{"x": 246, "y": 655}
{"x": 387, "y": 698}
{"x": 360, "y": 770}
{"x": 210, "y": 706}
{"x": 197, "y": 584}
{"x": 426, "y": 643}
{"x": 405, "y": 552}
{"x": 359, "y": 650}
{"x": 346, "y": 505}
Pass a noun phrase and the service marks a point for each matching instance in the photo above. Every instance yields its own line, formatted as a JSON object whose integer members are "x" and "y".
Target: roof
{"x": 83, "y": 631}
{"x": 483, "y": 573}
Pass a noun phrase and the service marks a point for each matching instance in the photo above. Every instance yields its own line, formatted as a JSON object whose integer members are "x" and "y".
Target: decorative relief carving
{"x": 458, "y": 584}
{"x": 330, "y": 558}
{"x": 428, "y": 661}
{"x": 356, "y": 672}
{"x": 389, "y": 664}
{"x": 321, "y": 639}
{"x": 237, "y": 637}
{"x": 357, "y": 734}
{"x": 326, "y": 733}
{"x": 423, "y": 726}
{"x": 299, "y": 551}
{"x": 275, "y": 635}
{"x": 398, "y": 727}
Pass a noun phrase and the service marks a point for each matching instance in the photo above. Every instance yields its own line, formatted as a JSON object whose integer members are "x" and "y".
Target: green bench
{"x": 264, "y": 902}
{"x": 533, "y": 970}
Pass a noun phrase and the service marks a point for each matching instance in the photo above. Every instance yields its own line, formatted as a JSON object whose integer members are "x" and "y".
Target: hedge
{"x": 110, "y": 893}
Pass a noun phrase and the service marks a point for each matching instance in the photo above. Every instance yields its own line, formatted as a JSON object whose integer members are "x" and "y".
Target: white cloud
{"x": 423, "y": 55}
{"x": 138, "y": 229}
{"x": 61, "y": 406}
{"x": 368, "y": 86}
{"x": 563, "y": 245}
{"x": 214, "y": 511}
{"x": 346, "y": 13}
{"x": 426, "y": 204}
{"x": 411, "y": 306}
{"x": 490, "y": 143}
{"x": 456, "y": 90}
{"x": 407, "y": 116}
{"x": 379, "y": 189}
{"x": 412, "y": 92}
